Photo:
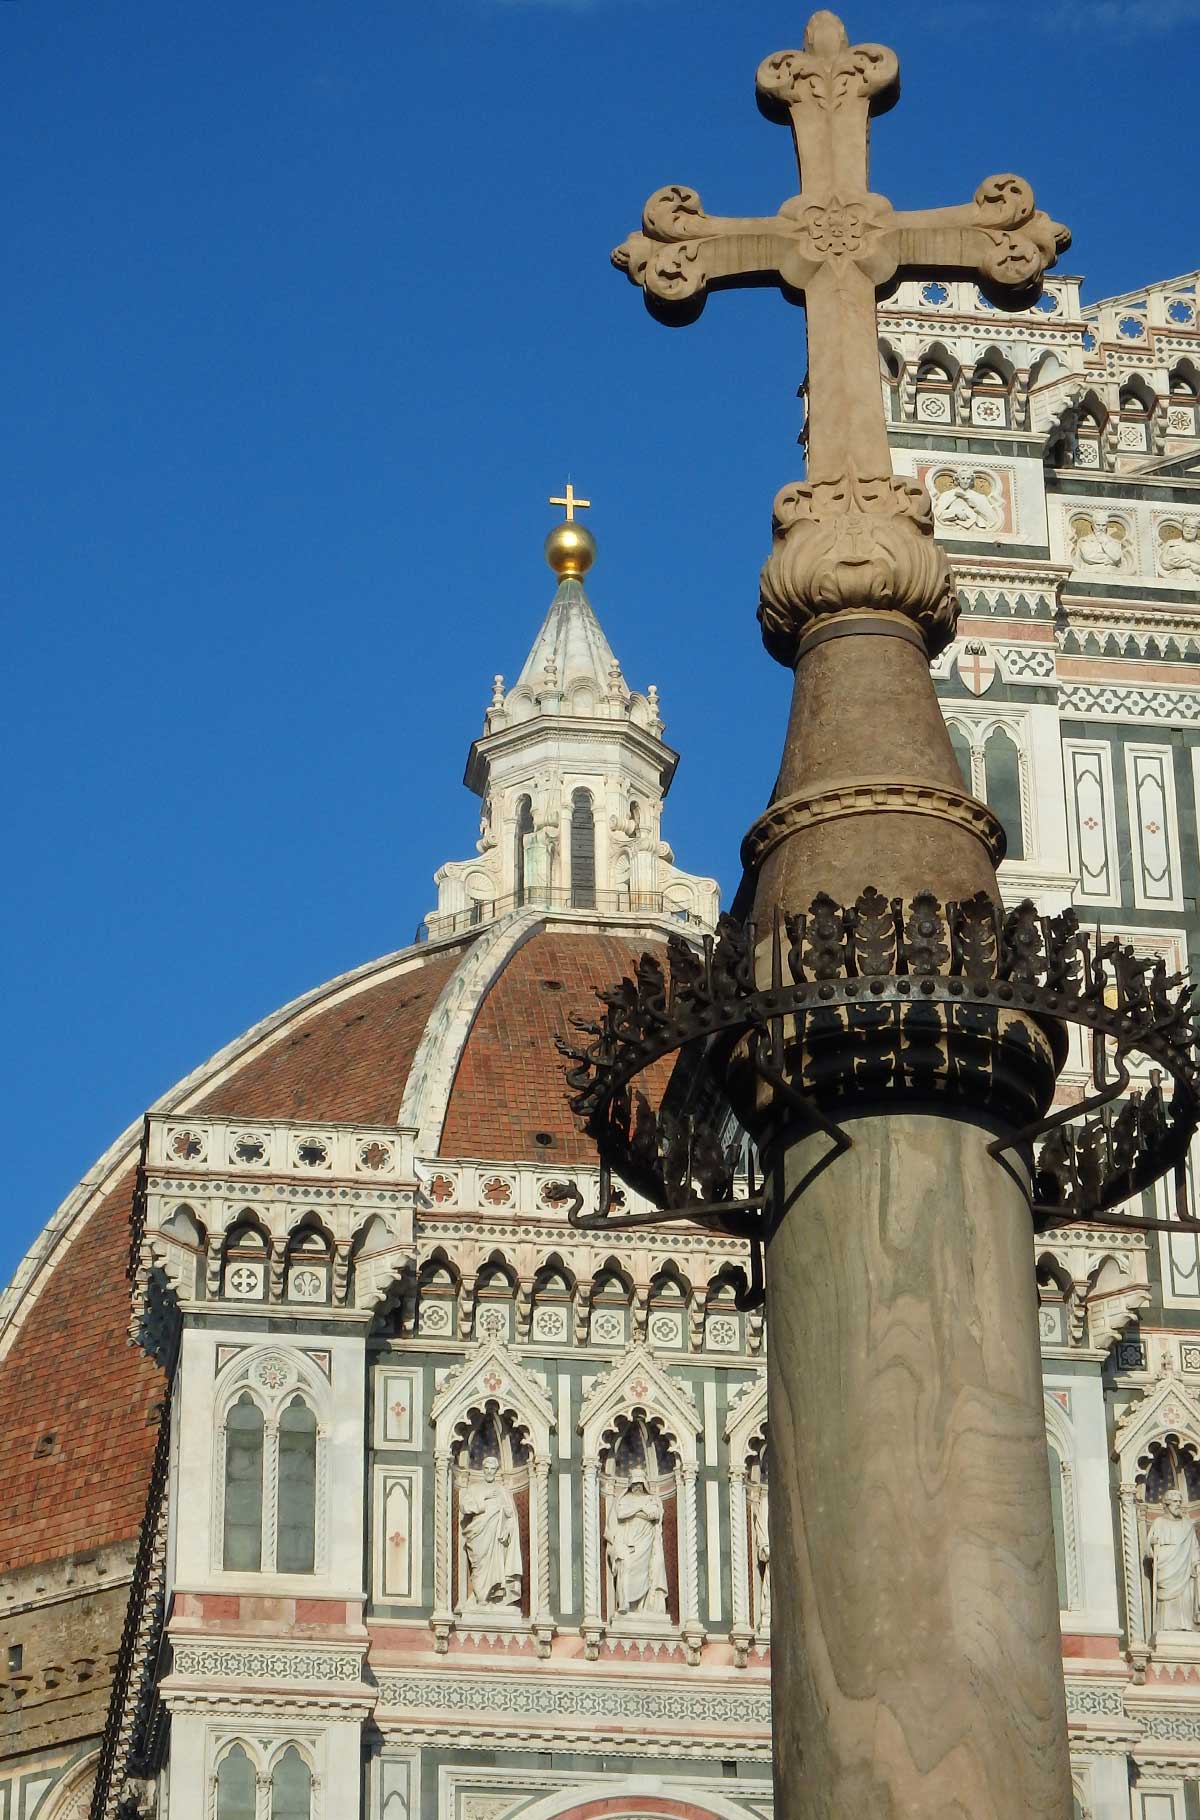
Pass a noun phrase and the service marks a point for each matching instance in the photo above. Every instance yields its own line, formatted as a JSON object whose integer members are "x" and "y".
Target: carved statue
{"x": 487, "y": 834}
{"x": 762, "y": 1553}
{"x": 1102, "y": 545}
{"x": 637, "y": 1564}
{"x": 966, "y": 502}
{"x": 1181, "y": 555}
{"x": 487, "y": 1515}
{"x": 1173, "y": 1554}
{"x": 1062, "y": 441}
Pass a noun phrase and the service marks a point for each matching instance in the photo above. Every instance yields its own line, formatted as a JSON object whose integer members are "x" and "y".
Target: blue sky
{"x": 307, "y": 309}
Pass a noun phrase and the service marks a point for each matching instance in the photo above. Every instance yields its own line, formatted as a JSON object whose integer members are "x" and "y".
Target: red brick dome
{"x": 459, "y": 1035}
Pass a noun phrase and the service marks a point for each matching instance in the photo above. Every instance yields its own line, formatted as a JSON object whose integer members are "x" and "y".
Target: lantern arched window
{"x": 583, "y": 851}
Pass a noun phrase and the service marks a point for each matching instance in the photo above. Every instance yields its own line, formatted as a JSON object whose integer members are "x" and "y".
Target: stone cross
{"x": 834, "y": 247}
{"x": 916, "y": 1657}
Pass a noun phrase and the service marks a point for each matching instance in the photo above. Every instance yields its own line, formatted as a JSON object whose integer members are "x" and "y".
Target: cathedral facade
{"x": 362, "y": 1483}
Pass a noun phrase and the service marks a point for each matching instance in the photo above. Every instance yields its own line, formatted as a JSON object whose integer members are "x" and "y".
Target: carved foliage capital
{"x": 852, "y": 542}
{"x": 1019, "y": 241}
{"x": 828, "y": 70}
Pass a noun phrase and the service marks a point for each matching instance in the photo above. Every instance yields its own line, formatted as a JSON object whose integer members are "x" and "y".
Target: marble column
{"x": 915, "y": 1611}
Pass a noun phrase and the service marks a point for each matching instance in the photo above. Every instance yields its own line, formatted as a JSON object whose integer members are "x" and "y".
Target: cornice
{"x": 568, "y": 730}
{"x": 1001, "y": 572}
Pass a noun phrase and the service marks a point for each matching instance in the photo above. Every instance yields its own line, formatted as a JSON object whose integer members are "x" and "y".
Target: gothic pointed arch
{"x": 640, "y": 1427}
{"x": 1061, "y": 1447}
{"x": 493, "y": 1408}
{"x": 71, "y": 1799}
{"x": 746, "y": 1437}
{"x": 639, "y": 1381}
{"x": 638, "y": 1798}
{"x": 493, "y": 1373}
{"x": 1164, "y": 1424}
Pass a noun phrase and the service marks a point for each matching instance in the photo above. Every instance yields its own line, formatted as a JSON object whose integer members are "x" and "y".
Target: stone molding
{"x": 267, "y": 1662}
{"x": 435, "y": 1064}
{"x": 71, "y": 1798}
{"x": 906, "y": 796}
{"x": 1117, "y": 700}
{"x": 1085, "y": 1700}
{"x": 592, "y": 1715}
{"x": 466, "y": 1793}
{"x": 53, "y": 1582}
{"x": 290, "y": 1707}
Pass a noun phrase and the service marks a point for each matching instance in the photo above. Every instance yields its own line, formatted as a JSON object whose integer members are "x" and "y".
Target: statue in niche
{"x": 1179, "y": 548}
{"x": 966, "y": 501}
{"x": 637, "y": 1563}
{"x": 762, "y": 1553}
{"x": 487, "y": 1518}
{"x": 1173, "y": 1555}
{"x": 1102, "y": 544}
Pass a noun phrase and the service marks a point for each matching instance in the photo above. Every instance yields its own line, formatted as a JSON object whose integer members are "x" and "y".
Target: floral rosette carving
{"x": 854, "y": 542}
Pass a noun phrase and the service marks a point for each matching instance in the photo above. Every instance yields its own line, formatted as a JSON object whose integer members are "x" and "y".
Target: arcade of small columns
{"x": 438, "y": 1268}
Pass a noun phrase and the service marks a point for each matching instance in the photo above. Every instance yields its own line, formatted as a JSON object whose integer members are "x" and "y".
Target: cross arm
{"x": 682, "y": 253}
{"x": 1000, "y": 236}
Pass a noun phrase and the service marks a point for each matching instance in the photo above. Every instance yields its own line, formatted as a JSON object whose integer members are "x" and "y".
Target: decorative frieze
{"x": 254, "y": 1663}
{"x": 1125, "y": 702}
{"x": 591, "y": 1714}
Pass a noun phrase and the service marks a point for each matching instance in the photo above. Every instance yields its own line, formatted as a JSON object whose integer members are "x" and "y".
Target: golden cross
{"x": 833, "y": 247}
{"x": 571, "y": 503}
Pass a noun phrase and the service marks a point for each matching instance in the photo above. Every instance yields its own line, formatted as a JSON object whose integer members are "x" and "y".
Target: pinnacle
{"x": 572, "y": 641}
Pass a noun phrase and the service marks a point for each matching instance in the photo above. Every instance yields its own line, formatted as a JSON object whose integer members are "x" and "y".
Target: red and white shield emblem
{"x": 977, "y": 668}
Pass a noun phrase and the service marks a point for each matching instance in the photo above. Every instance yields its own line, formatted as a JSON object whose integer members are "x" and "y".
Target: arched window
{"x": 934, "y": 390}
{"x": 495, "y": 1298}
{"x": 1044, "y": 369}
{"x": 1172, "y": 1467}
{"x": 237, "y": 1786}
{"x": 184, "y": 1225}
{"x": 523, "y": 830}
{"x": 437, "y": 1292}
{"x": 291, "y": 1787}
{"x": 991, "y": 392}
{"x": 963, "y": 753}
{"x": 889, "y": 378}
{"x": 609, "y": 1325}
{"x": 242, "y": 1541}
{"x": 552, "y": 1297}
{"x": 758, "y": 1521}
{"x": 244, "y": 1272}
{"x": 1183, "y": 403}
{"x": 667, "y": 1310}
{"x": 583, "y": 852}
{"x": 308, "y": 1266}
{"x": 295, "y": 1551}
{"x": 1060, "y": 1534}
{"x": 1002, "y": 787}
{"x": 1137, "y": 401}
{"x": 1089, "y": 430}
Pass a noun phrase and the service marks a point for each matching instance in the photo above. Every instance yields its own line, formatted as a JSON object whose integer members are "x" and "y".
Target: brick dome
{"x": 456, "y": 1039}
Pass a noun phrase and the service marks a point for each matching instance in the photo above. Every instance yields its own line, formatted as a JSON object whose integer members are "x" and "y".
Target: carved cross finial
{"x": 853, "y": 535}
{"x": 571, "y": 502}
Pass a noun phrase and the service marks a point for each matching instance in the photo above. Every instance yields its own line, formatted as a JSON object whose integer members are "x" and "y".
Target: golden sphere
{"x": 570, "y": 549}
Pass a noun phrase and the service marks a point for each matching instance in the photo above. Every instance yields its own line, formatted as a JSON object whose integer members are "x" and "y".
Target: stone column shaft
{"x": 915, "y": 1630}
